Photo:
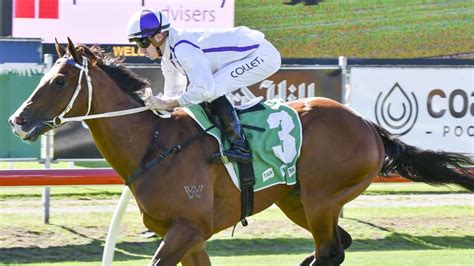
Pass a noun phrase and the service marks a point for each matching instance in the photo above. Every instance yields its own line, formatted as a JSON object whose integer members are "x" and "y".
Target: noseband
{"x": 60, "y": 119}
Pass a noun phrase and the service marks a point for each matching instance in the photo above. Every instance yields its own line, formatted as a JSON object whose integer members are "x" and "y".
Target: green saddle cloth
{"x": 274, "y": 135}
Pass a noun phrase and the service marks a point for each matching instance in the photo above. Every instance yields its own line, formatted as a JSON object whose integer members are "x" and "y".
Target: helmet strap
{"x": 158, "y": 44}
{"x": 159, "y": 51}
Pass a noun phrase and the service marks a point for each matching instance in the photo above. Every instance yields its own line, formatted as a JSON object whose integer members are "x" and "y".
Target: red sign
{"x": 26, "y": 9}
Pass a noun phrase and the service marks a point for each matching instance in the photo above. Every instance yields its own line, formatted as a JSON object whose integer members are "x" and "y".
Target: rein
{"x": 60, "y": 119}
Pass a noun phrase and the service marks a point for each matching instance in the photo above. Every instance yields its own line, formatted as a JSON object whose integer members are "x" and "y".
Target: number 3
{"x": 287, "y": 151}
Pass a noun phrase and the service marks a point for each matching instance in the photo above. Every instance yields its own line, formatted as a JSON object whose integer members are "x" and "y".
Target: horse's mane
{"x": 126, "y": 79}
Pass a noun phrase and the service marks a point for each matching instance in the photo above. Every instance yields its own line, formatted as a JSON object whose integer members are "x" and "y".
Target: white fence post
{"x": 45, "y": 202}
{"x": 111, "y": 240}
{"x": 48, "y": 62}
{"x": 344, "y": 79}
{"x": 344, "y": 93}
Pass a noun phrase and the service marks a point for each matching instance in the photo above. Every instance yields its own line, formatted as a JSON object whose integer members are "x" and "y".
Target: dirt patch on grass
{"x": 108, "y": 205}
{"x": 439, "y": 226}
{"x": 44, "y": 236}
{"x": 282, "y": 228}
{"x": 62, "y": 206}
{"x": 16, "y": 237}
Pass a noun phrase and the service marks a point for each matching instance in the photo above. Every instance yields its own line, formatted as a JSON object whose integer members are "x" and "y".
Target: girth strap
{"x": 246, "y": 174}
{"x": 247, "y": 181}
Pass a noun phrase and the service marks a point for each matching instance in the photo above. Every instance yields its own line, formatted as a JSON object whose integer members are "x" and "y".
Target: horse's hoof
{"x": 307, "y": 261}
{"x": 330, "y": 261}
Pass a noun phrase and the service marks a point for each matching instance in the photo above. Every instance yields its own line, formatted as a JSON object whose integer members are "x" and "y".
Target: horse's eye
{"x": 60, "y": 82}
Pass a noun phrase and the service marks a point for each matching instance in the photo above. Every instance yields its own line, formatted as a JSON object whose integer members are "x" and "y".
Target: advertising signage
{"x": 105, "y": 21}
{"x": 432, "y": 108}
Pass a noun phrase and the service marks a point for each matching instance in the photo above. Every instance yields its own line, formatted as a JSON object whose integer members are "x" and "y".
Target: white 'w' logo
{"x": 194, "y": 191}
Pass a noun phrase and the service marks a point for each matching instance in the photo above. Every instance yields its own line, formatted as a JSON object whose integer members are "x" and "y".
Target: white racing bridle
{"x": 60, "y": 119}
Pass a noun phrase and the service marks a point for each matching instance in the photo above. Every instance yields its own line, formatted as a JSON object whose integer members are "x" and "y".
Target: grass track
{"x": 372, "y": 258}
{"x": 409, "y": 235}
{"x": 364, "y": 29}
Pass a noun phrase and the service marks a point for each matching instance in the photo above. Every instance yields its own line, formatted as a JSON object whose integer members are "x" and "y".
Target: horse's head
{"x": 66, "y": 90}
{"x": 53, "y": 95}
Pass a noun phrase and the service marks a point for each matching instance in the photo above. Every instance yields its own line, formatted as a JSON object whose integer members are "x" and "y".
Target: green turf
{"x": 364, "y": 29}
{"x": 435, "y": 235}
{"x": 369, "y": 258}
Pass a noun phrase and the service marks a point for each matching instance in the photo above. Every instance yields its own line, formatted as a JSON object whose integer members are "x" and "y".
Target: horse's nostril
{"x": 19, "y": 120}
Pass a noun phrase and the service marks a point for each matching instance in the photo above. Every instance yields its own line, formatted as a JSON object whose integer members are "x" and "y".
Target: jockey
{"x": 201, "y": 66}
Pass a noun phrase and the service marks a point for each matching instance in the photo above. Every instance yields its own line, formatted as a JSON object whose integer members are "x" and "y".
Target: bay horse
{"x": 341, "y": 155}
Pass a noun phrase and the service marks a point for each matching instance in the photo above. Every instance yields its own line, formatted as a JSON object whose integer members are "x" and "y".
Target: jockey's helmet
{"x": 146, "y": 23}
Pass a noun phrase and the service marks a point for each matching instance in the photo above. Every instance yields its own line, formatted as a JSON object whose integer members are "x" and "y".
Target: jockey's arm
{"x": 175, "y": 83}
{"x": 198, "y": 70}
{"x": 201, "y": 81}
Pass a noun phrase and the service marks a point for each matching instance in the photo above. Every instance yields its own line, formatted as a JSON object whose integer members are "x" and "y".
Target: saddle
{"x": 273, "y": 130}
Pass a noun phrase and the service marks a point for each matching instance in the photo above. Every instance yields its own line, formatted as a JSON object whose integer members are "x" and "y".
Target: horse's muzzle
{"x": 27, "y": 129}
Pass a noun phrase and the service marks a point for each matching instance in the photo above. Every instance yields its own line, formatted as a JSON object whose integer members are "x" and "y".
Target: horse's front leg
{"x": 183, "y": 241}
{"x": 197, "y": 256}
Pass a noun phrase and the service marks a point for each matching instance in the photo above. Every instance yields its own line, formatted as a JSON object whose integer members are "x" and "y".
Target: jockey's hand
{"x": 161, "y": 103}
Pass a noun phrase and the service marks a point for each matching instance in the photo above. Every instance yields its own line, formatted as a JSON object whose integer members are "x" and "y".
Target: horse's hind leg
{"x": 293, "y": 208}
{"x": 346, "y": 241}
{"x": 322, "y": 213}
{"x": 323, "y": 221}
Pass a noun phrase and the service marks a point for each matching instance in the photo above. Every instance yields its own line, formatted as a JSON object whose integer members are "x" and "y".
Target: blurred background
{"x": 408, "y": 65}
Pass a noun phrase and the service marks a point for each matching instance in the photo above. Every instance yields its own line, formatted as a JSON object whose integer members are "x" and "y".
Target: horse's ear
{"x": 72, "y": 50}
{"x": 59, "y": 49}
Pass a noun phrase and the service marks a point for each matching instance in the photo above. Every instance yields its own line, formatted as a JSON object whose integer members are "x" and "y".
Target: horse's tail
{"x": 432, "y": 167}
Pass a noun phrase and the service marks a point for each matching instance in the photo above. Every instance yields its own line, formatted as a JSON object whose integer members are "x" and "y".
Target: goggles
{"x": 142, "y": 42}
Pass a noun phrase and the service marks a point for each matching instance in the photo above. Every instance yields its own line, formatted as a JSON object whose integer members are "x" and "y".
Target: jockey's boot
{"x": 239, "y": 150}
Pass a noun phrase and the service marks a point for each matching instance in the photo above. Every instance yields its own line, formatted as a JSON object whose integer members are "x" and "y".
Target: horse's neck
{"x": 121, "y": 140}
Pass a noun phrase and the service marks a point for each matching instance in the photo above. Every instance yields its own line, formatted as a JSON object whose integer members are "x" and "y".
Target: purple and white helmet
{"x": 146, "y": 23}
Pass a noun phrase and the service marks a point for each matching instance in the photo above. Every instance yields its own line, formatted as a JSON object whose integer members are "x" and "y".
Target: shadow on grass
{"x": 400, "y": 241}
{"x": 227, "y": 247}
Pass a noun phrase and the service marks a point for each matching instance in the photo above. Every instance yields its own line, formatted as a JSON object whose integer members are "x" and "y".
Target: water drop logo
{"x": 396, "y": 111}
